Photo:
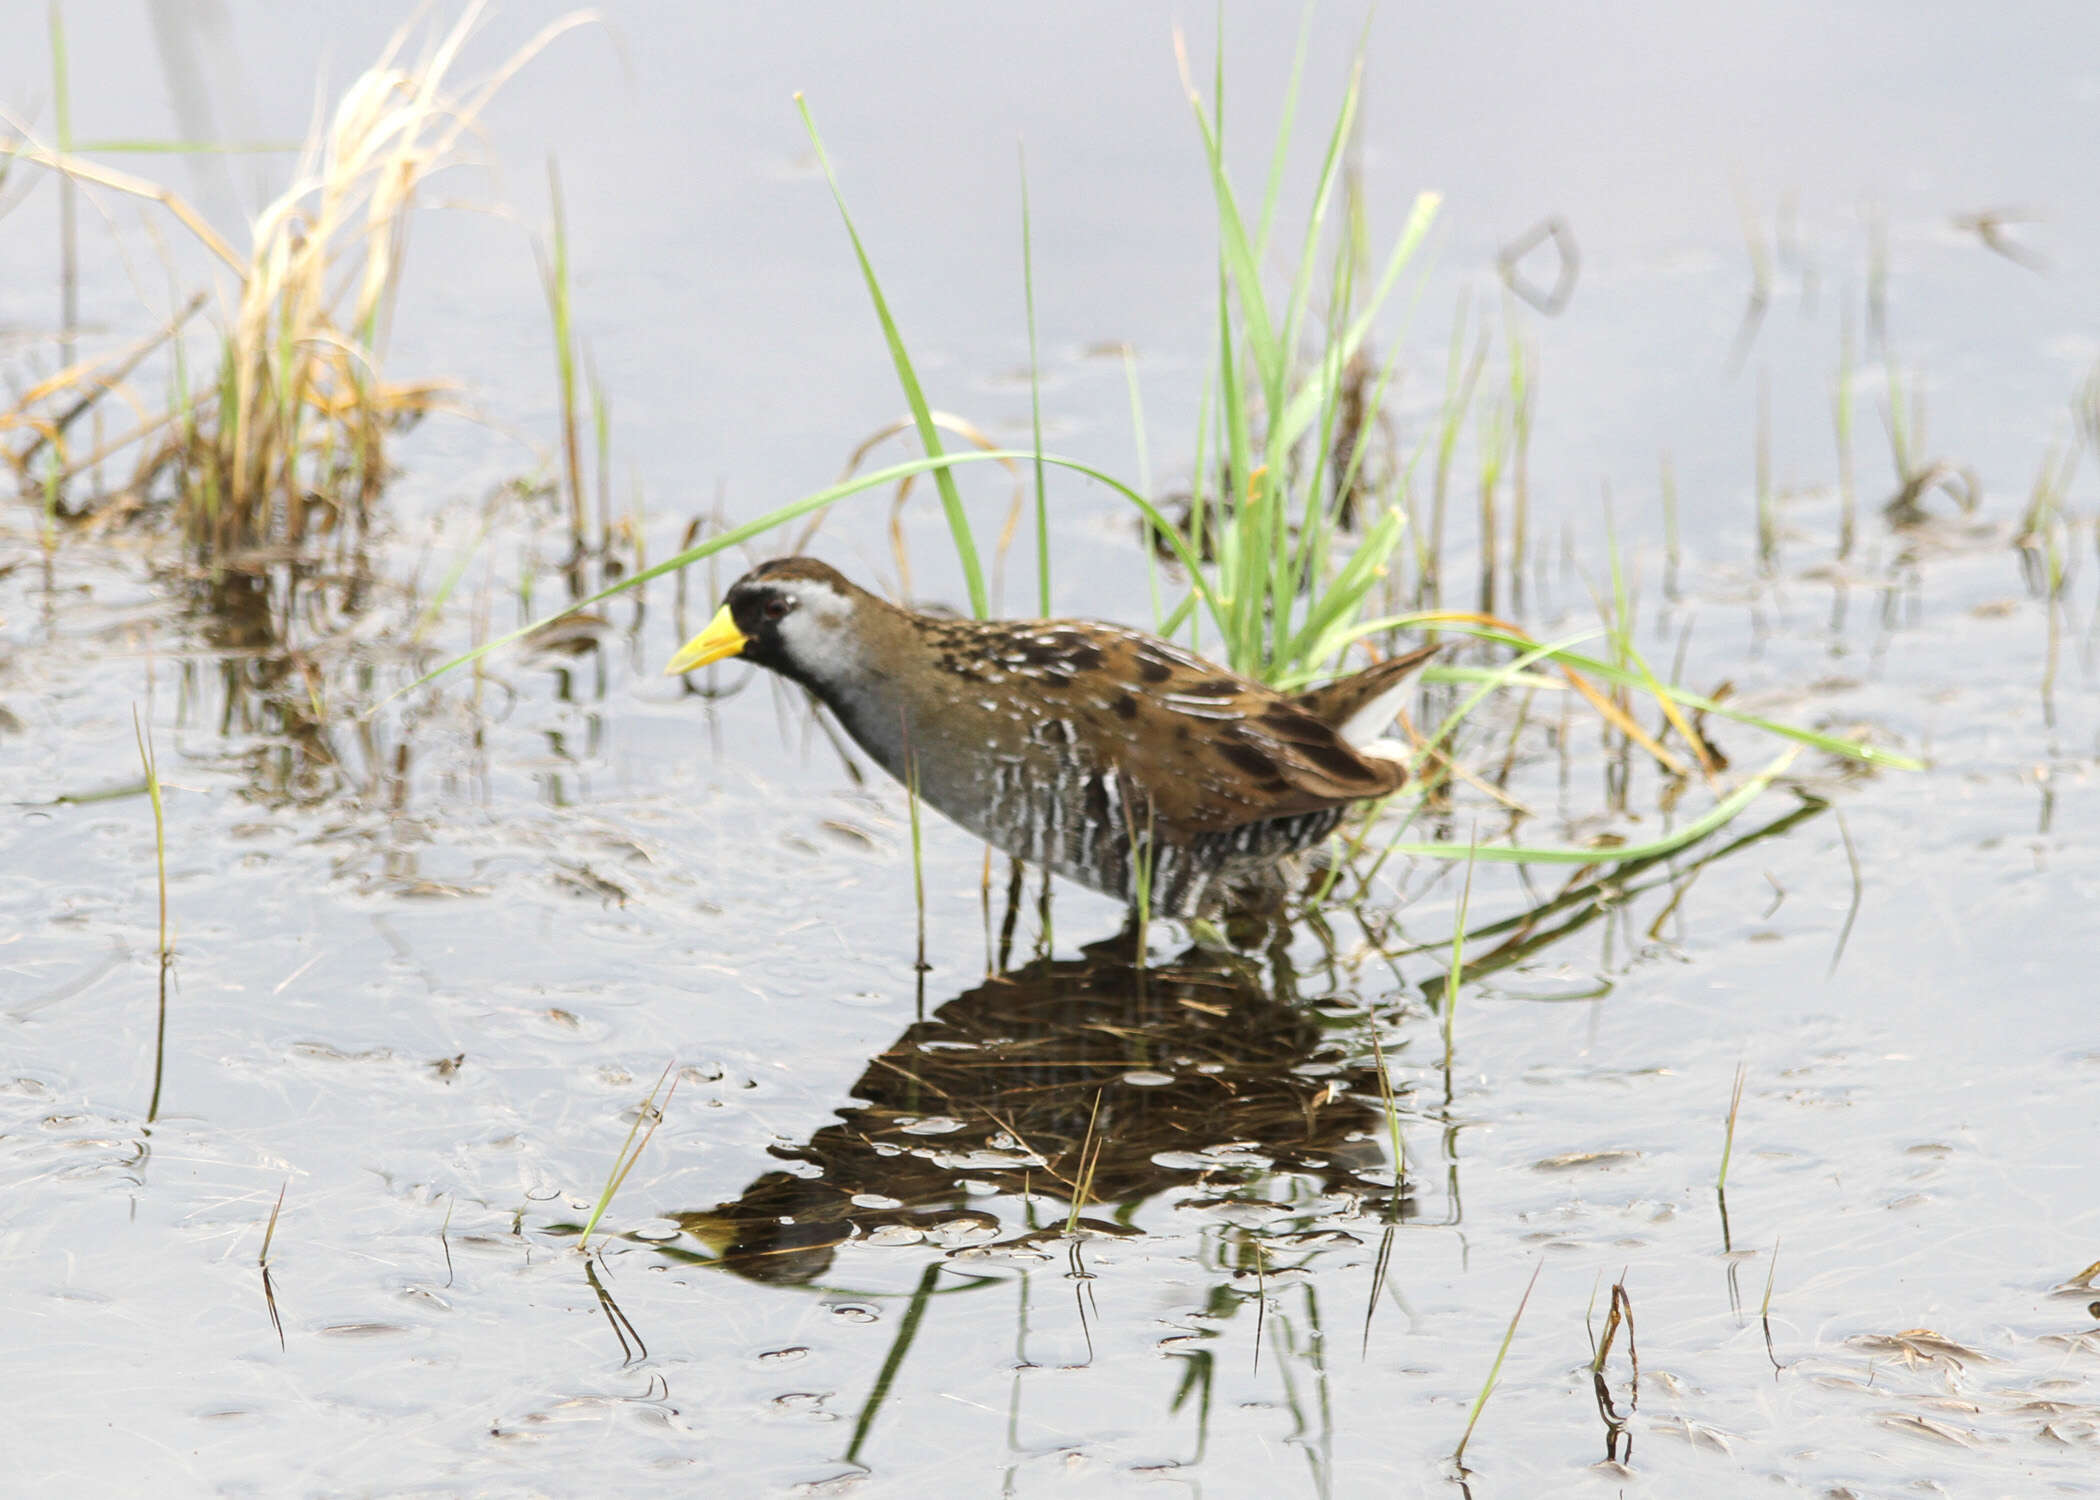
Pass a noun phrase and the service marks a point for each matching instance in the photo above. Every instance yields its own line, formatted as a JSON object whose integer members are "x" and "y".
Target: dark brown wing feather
{"x": 1204, "y": 749}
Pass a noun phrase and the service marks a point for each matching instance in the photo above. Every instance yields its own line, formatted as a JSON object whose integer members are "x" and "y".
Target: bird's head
{"x": 793, "y": 615}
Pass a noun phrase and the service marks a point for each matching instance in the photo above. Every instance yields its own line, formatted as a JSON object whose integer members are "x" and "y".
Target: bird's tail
{"x": 1362, "y": 705}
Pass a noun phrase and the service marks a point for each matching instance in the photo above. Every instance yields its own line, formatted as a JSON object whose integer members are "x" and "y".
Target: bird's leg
{"x": 1012, "y": 916}
{"x": 1283, "y": 977}
{"x": 1044, "y": 940}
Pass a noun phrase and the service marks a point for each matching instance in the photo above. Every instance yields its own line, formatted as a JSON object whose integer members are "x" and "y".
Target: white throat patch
{"x": 817, "y": 633}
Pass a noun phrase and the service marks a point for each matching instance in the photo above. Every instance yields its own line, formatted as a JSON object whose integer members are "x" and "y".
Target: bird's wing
{"x": 1197, "y": 749}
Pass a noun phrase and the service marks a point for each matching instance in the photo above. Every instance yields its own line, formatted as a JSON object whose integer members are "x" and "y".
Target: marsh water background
{"x": 427, "y": 965}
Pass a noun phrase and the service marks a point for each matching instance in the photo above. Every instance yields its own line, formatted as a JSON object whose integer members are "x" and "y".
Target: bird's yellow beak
{"x": 720, "y": 639}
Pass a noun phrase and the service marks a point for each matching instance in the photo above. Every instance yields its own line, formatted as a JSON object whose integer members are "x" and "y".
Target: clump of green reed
{"x": 1288, "y": 582}
{"x": 286, "y": 435}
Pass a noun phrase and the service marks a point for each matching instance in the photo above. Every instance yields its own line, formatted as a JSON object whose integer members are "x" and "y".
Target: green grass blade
{"x": 561, "y": 310}
{"x": 1830, "y": 744}
{"x": 817, "y": 500}
{"x": 1308, "y": 254}
{"x": 1144, "y": 481}
{"x": 1281, "y": 151}
{"x": 1239, "y": 558}
{"x": 150, "y": 762}
{"x": 1735, "y": 1105}
{"x": 1035, "y": 402}
{"x": 1311, "y": 649}
{"x": 1536, "y": 652}
{"x": 1458, "y": 960}
{"x": 1304, "y": 407}
{"x": 450, "y": 581}
{"x": 1317, "y": 519}
{"x": 1236, "y": 250}
{"x": 1200, "y": 525}
{"x": 921, "y": 413}
{"x": 651, "y": 1114}
{"x": 1487, "y": 1388}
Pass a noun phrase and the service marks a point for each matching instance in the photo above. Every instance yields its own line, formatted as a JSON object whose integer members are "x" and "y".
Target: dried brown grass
{"x": 289, "y": 438}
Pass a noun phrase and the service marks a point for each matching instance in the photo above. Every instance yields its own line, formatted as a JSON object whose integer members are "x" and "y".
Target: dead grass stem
{"x": 289, "y": 437}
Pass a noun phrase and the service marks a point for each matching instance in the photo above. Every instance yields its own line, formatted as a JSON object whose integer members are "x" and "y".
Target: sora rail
{"x": 1104, "y": 754}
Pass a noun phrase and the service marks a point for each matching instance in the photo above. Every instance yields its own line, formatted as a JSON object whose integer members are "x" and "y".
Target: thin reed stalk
{"x": 1089, "y": 1160}
{"x": 648, "y": 1112}
{"x": 1487, "y": 1388}
{"x": 921, "y": 412}
{"x": 150, "y": 763}
{"x": 1767, "y": 519}
{"x": 1035, "y": 398}
{"x": 918, "y": 842}
{"x": 1841, "y": 417}
{"x": 1735, "y": 1104}
{"x": 1764, "y": 1311}
{"x": 262, "y": 1263}
{"x": 1522, "y": 393}
{"x": 554, "y": 274}
{"x": 1458, "y": 966}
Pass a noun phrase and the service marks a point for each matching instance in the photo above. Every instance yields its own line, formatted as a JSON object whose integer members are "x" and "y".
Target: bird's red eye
{"x": 775, "y": 607}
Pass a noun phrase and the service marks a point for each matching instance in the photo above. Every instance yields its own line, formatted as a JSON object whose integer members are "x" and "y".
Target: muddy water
{"x": 428, "y": 961}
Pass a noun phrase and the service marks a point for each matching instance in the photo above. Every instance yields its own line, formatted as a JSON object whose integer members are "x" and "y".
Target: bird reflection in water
{"x": 1095, "y": 1071}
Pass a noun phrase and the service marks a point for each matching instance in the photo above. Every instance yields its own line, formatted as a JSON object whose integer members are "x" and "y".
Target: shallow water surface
{"x": 431, "y": 953}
